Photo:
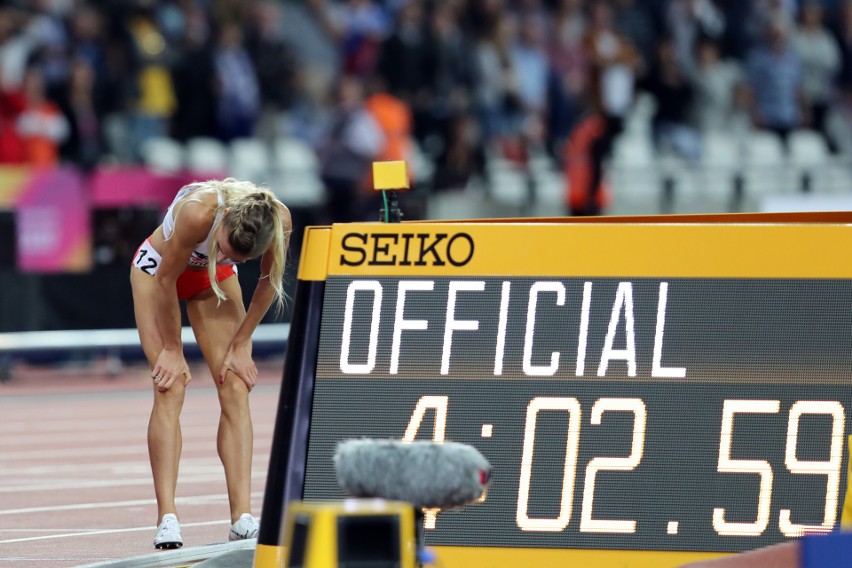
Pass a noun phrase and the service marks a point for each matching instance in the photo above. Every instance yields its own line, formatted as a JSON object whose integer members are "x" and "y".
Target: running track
{"x": 75, "y": 482}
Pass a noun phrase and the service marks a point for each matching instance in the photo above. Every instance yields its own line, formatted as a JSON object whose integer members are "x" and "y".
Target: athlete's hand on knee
{"x": 170, "y": 366}
{"x": 239, "y": 361}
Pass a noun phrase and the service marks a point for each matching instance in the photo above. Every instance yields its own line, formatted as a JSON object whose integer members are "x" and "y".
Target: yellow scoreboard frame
{"x": 772, "y": 250}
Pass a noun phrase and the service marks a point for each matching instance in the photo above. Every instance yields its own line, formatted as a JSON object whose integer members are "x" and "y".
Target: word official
{"x": 369, "y": 296}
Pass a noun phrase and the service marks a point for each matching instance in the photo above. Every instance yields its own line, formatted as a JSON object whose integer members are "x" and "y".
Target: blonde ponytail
{"x": 256, "y": 221}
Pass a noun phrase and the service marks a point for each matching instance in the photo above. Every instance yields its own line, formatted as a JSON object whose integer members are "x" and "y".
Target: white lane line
{"x": 226, "y": 522}
{"x": 112, "y": 435}
{"x": 25, "y": 424}
{"x": 85, "y": 484}
{"x": 187, "y": 465}
{"x": 203, "y": 466}
{"x": 22, "y": 559}
{"x": 96, "y": 484}
{"x": 62, "y": 426}
{"x": 93, "y": 451}
{"x": 65, "y": 530}
{"x": 260, "y": 441}
{"x": 185, "y": 501}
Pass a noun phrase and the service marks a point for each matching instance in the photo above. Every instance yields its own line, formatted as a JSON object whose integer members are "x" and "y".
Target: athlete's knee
{"x": 233, "y": 390}
{"x": 172, "y": 399}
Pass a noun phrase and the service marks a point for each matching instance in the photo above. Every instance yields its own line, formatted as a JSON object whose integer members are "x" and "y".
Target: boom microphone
{"x": 428, "y": 475}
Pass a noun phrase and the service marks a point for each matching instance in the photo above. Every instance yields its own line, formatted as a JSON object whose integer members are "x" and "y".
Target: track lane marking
{"x": 187, "y": 501}
{"x": 98, "y": 484}
{"x": 226, "y": 522}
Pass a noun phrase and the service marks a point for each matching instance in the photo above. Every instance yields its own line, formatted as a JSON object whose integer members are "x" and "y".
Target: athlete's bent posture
{"x": 208, "y": 229}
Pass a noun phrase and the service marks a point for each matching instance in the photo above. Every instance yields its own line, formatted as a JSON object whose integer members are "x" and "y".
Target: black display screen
{"x": 688, "y": 414}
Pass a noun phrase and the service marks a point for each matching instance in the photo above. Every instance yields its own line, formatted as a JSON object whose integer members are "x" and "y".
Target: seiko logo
{"x": 406, "y": 249}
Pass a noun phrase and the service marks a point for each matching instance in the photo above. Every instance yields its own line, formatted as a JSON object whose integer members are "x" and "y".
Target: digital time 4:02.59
{"x": 830, "y": 468}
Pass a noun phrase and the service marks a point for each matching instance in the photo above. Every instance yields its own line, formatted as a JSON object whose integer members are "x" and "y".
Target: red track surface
{"x": 75, "y": 482}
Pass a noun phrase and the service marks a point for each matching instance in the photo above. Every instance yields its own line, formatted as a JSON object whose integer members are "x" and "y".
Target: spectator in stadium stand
{"x": 15, "y": 48}
{"x": 450, "y": 69}
{"x": 359, "y": 27}
{"x": 531, "y": 9}
{"x": 462, "y": 157}
{"x": 586, "y": 192}
{"x": 194, "y": 78}
{"x": 533, "y": 71}
{"x": 843, "y": 32}
{"x": 393, "y": 117}
{"x": 738, "y": 38}
{"x": 775, "y": 78}
{"x": 820, "y": 56}
{"x": 614, "y": 67}
{"x": 634, "y": 19}
{"x": 85, "y": 144}
{"x": 673, "y": 93}
{"x": 568, "y": 91}
{"x": 689, "y": 20}
{"x": 568, "y": 24}
{"x": 308, "y": 27}
{"x": 153, "y": 101}
{"x": 403, "y": 56}
{"x": 221, "y": 11}
{"x": 311, "y": 33}
{"x": 47, "y": 30}
{"x": 275, "y": 66}
{"x": 532, "y": 66}
{"x": 237, "y": 87}
{"x": 765, "y": 12}
{"x": 351, "y": 143}
{"x": 11, "y": 144}
{"x": 720, "y": 93}
{"x": 497, "y": 95}
{"x": 840, "y": 117}
{"x": 88, "y": 43}
{"x": 41, "y": 124}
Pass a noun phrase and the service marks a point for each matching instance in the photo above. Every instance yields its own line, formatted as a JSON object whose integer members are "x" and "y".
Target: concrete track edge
{"x": 174, "y": 558}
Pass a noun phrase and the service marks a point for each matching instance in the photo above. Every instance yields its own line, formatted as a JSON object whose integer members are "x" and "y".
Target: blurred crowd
{"x": 360, "y": 80}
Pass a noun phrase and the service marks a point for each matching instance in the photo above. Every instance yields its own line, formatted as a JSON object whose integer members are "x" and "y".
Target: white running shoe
{"x": 246, "y": 527}
{"x": 168, "y": 533}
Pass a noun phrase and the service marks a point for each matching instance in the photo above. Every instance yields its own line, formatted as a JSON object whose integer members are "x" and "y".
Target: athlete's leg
{"x": 214, "y": 325}
{"x": 164, "y": 436}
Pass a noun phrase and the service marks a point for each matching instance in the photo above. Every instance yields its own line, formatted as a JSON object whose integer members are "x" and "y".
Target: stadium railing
{"x": 118, "y": 345}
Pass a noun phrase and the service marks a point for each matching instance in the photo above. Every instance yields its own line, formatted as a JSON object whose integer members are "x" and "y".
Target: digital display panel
{"x": 663, "y": 386}
{"x": 685, "y": 414}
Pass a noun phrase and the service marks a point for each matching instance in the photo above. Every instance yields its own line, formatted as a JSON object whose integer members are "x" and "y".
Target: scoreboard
{"x": 649, "y": 391}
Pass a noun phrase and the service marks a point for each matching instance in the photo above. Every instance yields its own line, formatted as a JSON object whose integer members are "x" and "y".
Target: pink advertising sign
{"x": 52, "y": 220}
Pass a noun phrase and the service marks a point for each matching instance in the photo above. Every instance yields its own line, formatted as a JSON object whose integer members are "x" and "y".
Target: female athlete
{"x": 209, "y": 228}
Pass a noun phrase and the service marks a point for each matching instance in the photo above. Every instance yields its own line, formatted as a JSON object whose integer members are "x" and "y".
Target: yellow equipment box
{"x": 353, "y": 532}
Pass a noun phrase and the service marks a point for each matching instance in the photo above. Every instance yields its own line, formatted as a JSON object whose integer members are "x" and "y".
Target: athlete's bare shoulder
{"x": 194, "y": 214}
{"x": 205, "y": 195}
{"x": 203, "y": 199}
{"x": 285, "y": 215}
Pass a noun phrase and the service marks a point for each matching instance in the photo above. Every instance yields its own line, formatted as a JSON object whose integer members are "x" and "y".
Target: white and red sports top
{"x": 199, "y": 257}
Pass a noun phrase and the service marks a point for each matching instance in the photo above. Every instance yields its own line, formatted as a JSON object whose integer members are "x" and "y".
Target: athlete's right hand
{"x": 171, "y": 365}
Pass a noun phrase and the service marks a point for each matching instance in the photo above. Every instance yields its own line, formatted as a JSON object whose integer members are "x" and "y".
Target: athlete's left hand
{"x": 238, "y": 360}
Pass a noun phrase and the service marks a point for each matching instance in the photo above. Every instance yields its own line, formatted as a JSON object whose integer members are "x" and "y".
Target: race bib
{"x": 147, "y": 259}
